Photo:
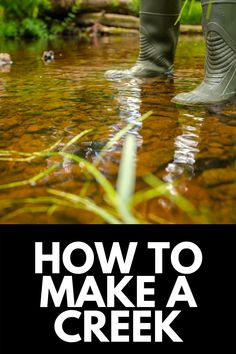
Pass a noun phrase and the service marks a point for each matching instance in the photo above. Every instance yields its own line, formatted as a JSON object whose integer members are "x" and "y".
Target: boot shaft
{"x": 158, "y": 39}
{"x": 220, "y": 36}
{"x": 159, "y": 32}
{"x": 164, "y": 7}
{"x": 221, "y": 14}
{"x": 158, "y": 17}
{"x": 219, "y": 84}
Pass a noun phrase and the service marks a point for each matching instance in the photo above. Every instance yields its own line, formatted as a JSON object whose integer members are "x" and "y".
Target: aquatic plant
{"x": 120, "y": 202}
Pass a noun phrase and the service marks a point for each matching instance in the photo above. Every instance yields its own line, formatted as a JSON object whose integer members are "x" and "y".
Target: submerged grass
{"x": 31, "y": 181}
{"x": 120, "y": 202}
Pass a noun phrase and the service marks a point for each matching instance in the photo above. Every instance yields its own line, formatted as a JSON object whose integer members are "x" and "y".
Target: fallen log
{"x": 114, "y": 30}
{"x": 108, "y": 19}
{"x": 191, "y": 29}
{"x": 61, "y": 7}
{"x": 118, "y": 22}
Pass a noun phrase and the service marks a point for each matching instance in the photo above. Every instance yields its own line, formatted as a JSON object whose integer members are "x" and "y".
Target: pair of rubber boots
{"x": 158, "y": 40}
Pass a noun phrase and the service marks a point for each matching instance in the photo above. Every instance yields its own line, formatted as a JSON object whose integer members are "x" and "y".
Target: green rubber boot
{"x": 219, "y": 84}
{"x": 158, "y": 40}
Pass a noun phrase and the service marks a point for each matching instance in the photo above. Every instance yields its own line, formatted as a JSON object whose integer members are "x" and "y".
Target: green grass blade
{"x": 87, "y": 204}
{"x": 66, "y": 200}
{"x": 127, "y": 171}
{"x": 7, "y": 203}
{"x": 31, "y": 180}
{"x": 85, "y": 188}
{"x": 191, "y": 7}
{"x": 76, "y": 138}
{"x": 17, "y": 159}
{"x": 44, "y": 173}
{"x": 181, "y": 12}
{"x": 30, "y": 154}
{"x": 14, "y": 184}
{"x": 146, "y": 195}
{"x": 100, "y": 178}
{"x": 172, "y": 194}
{"x": 209, "y": 9}
{"x": 54, "y": 146}
{"x": 126, "y": 179}
{"x": 14, "y": 152}
{"x": 52, "y": 209}
{"x": 120, "y": 134}
{"x": 158, "y": 220}
{"x": 20, "y": 211}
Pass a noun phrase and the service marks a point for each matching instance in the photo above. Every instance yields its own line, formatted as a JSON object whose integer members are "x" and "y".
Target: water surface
{"x": 42, "y": 103}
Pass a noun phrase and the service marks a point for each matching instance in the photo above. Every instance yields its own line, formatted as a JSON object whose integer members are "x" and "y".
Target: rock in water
{"x": 48, "y": 56}
{"x": 5, "y": 59}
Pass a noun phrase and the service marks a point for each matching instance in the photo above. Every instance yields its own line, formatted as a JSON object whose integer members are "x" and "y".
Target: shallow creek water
{"x": 42, "y": 103}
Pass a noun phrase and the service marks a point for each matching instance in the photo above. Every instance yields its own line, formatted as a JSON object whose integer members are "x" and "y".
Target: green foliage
{"x": 134, "y": 5}
{"x": 8, "y": 29}
{"x": 21, "y": 9}
{"x": 34, "y": 28}
{"x": 26, "y": 18}
{"x": 192, "y": 13}
{"x": 19, "y": 18}
{"x": 66, "y": 25}
{"x": 29, "y": 28}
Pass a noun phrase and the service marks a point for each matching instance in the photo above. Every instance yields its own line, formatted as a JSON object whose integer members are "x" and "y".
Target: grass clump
{"x": 120, "y": 203}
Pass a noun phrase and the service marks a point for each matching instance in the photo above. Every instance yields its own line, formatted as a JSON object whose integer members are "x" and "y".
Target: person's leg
{"x": 219, "y": 84}
{"x": 158, "y": 39}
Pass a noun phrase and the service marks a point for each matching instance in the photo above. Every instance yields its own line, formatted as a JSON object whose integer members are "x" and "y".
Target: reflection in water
{"x": 48, "y": 56}
{"x": 186, "y": 148}
{"x": 126, "y": 102}
{"x": 1, "y": 87}
{"x": 220, "y": 108}
{"x": 5, "y": 62}
{"x": 5, "y": 68}
{"x": 127, "y": 97}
